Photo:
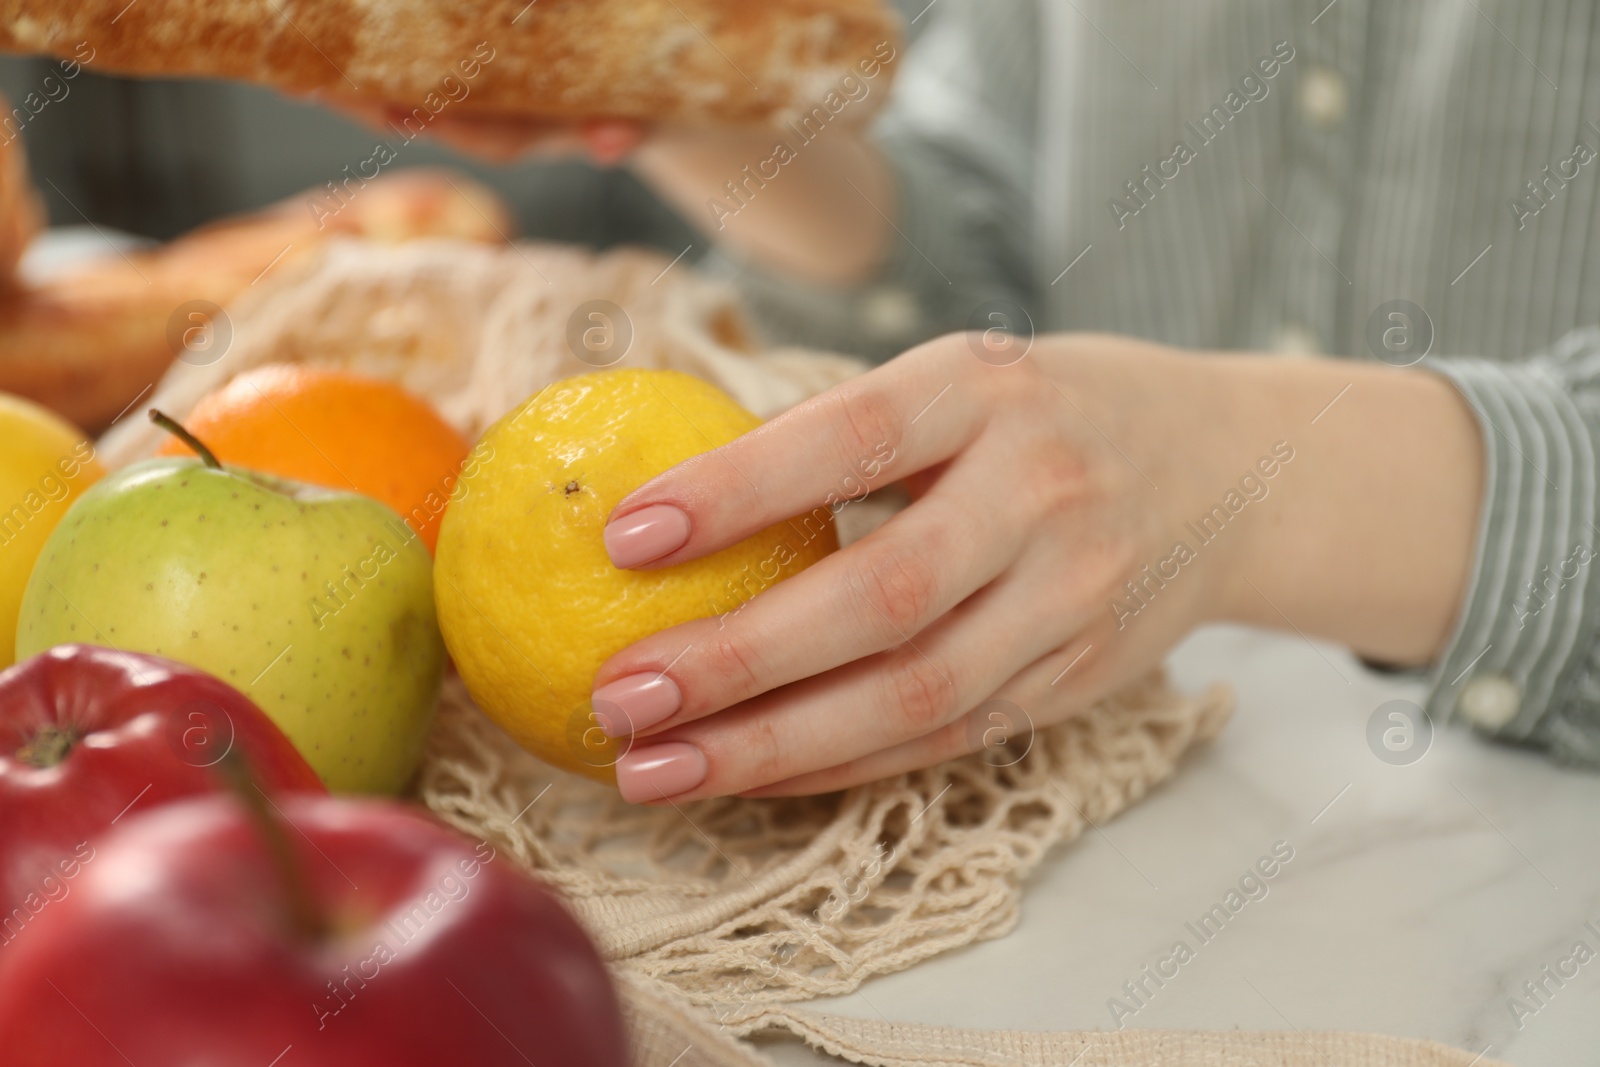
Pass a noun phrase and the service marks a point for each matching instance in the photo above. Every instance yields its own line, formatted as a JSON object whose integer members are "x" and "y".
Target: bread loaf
{"x": 21, "y": 213}
{"x": 657, "y": 60}
{"x": 91, "y": 339}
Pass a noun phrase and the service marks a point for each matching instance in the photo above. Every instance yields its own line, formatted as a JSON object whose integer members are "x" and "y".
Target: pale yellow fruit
{"x": 45, "y": 463}
{"x": 528, "y": 600}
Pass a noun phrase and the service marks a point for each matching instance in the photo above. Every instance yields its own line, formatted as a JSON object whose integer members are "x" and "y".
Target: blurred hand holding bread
{"x": 87, "y": 341}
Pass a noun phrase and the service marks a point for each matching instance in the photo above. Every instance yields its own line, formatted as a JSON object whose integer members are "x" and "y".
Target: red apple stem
{"x": 304, "y": 917}
{"x": 48, "y": 747}
{"x": 177, "y": 429}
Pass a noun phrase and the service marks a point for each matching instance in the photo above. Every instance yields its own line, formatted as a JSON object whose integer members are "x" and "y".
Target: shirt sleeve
{"x": 959, "y": 136}
{"x": 1523, "y": 663}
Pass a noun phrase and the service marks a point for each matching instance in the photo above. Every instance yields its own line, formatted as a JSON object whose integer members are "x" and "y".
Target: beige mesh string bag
{"x": 719, "y": 918}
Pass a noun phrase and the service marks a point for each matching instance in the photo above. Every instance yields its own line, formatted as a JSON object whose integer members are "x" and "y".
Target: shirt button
{"x": 1490, "y": 701}
{"x": 1293, "y": 339}
{"x": 888, "y": 312}
{"x": 1324, "y": 96}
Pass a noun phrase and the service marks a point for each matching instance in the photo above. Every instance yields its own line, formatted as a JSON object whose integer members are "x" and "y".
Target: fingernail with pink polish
{"x": 646, "y": 534}
{"x": 658, "y": 771}
{"x": 636, "y": 702}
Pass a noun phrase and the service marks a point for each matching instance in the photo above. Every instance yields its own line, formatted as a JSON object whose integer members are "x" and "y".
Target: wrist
{"x": 1368, "y": 534}
{"x": 1238, "y": 455}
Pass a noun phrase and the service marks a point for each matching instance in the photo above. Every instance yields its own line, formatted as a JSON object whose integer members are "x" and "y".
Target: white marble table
{"x": 1420, "y": 897}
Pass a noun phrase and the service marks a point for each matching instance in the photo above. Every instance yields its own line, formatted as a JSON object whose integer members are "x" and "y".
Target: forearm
{"x": 820, "y": 212}
{"x": 1368, "y": 534}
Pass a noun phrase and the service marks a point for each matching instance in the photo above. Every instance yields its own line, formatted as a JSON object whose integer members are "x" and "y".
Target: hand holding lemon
{"x": 529, "y": 602}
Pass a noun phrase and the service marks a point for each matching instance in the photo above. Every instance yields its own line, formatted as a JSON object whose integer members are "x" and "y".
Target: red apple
{"x": 89, "y": 734}
{"x": 364, "y": 932}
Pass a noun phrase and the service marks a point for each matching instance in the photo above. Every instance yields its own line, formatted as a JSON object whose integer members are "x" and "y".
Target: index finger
{"x": 895, "y": 420}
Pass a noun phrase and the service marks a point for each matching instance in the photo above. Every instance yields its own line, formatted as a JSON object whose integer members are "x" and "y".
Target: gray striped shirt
{"x": 1416, "y": 179}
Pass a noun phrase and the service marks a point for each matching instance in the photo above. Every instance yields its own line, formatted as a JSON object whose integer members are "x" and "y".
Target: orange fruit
{"x": 336, "y": 429}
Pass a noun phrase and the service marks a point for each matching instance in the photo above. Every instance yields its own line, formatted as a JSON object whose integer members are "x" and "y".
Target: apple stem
{"x": 48, "y": 747}
{"x": 304, "y": 917}
{"x": 176, "y": 429}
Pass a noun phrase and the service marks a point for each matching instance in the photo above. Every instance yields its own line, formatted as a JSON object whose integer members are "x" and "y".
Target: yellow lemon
{"x": 44, "y": 465}
{"x": 528, "y": 600}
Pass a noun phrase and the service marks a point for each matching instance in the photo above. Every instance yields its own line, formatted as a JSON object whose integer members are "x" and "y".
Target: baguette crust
{"x": 654, "y": 60}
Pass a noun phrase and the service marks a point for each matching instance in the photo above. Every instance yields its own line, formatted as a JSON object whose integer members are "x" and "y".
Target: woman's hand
{"x": 1074, "y": 515}
{"x": 1036, "y": 500}
{"x": 823, "y": 218}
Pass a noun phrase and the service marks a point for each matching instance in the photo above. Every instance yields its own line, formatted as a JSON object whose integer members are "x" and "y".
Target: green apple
{"x": 315, "y": 603}
{"x": 44, "y": 464}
